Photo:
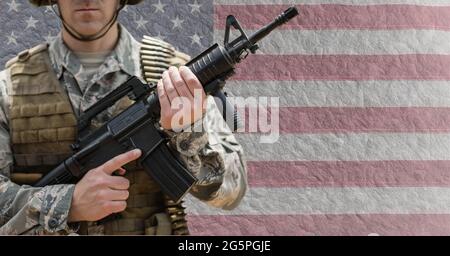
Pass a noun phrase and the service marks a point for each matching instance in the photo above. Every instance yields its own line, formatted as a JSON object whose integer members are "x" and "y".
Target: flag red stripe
{"x": 350, "y": 119}
{"x": 337, "y": 16}
{"x": 399, "y": 175}
{"x": 349, "y": 173}
{"x": 345, "y": 67}
{"x": 339, "y": 224}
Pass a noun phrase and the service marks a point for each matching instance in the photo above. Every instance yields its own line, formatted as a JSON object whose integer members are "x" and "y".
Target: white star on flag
{"x": 177, "y": 23}
{"x": 161, "y": 36}
{"x": 196, "y": 39}
{"x": 12, "y": 39}
{"x": 14, "y": 6}
{"x": 195, "y": 7}
{"x": 31, "y": 22}
{"x": 159, "y": 6}
{"x": 49, "y": 37}
{"x": 141, "y": 22}
{"x": 48, "y": 9}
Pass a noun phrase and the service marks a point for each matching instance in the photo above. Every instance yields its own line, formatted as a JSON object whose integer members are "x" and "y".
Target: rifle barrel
{"x": 287, "y": 15}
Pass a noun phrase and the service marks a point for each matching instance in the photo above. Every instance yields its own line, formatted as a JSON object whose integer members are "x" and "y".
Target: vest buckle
{"x": 23, "y": 56}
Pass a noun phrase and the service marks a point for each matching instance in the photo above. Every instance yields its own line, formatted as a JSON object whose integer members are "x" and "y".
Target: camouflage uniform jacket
{"x": 213, "y": 156}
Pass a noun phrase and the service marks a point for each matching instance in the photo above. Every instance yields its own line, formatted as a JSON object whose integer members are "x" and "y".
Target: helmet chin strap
{"x": 101, "y": 33}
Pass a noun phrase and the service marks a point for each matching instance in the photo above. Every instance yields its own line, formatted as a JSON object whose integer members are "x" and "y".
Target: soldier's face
{"x": 88, "y": 17}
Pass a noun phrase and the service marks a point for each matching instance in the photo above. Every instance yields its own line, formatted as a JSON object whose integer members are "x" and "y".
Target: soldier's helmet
{"x": 46, "y": 2}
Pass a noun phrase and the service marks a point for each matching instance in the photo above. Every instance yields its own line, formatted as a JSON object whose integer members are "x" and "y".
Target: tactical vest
{"x": 43, "y": 126}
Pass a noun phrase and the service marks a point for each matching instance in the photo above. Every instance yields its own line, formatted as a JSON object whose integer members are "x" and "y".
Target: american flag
{"x": 364, "y": 110}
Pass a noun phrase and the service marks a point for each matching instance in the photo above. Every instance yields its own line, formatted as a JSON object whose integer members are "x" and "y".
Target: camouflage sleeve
{"x": 28, "y": 210}
{"x": 24, "y": 209}
{"x": 212, "y": 155}
{"x": 5, "y": 150}
{"x": 216, "y": 158}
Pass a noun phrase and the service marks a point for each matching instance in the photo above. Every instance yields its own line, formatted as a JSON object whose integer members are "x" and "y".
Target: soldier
{"x": 43, "y": 92}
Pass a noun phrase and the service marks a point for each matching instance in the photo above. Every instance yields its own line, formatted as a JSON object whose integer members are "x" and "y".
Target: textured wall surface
{"x": 364, "y": 110}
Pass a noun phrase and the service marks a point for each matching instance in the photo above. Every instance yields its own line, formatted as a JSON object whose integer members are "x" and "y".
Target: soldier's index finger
{"x": 120, "y": 160}
{"x": 162, "y": 95}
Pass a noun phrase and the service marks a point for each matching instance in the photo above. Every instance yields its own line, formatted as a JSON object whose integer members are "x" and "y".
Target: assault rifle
{"x": 135, "y": 126}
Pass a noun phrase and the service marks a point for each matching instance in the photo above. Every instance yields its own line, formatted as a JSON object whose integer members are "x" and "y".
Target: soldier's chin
{"x": 89, "y": 31}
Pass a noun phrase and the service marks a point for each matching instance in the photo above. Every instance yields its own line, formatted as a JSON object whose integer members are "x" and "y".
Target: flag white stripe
{"x": 348, "y": 147}
{"x": 351, "y": 200}
{"x": 399, "y": 93}
{"x": 352, "y": 2}
{"x": 365, "y": 42}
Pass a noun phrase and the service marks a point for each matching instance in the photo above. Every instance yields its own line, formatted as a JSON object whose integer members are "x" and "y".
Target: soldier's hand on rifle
{"x": 182, "y": 98}
{"x": 99, "y": 193}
